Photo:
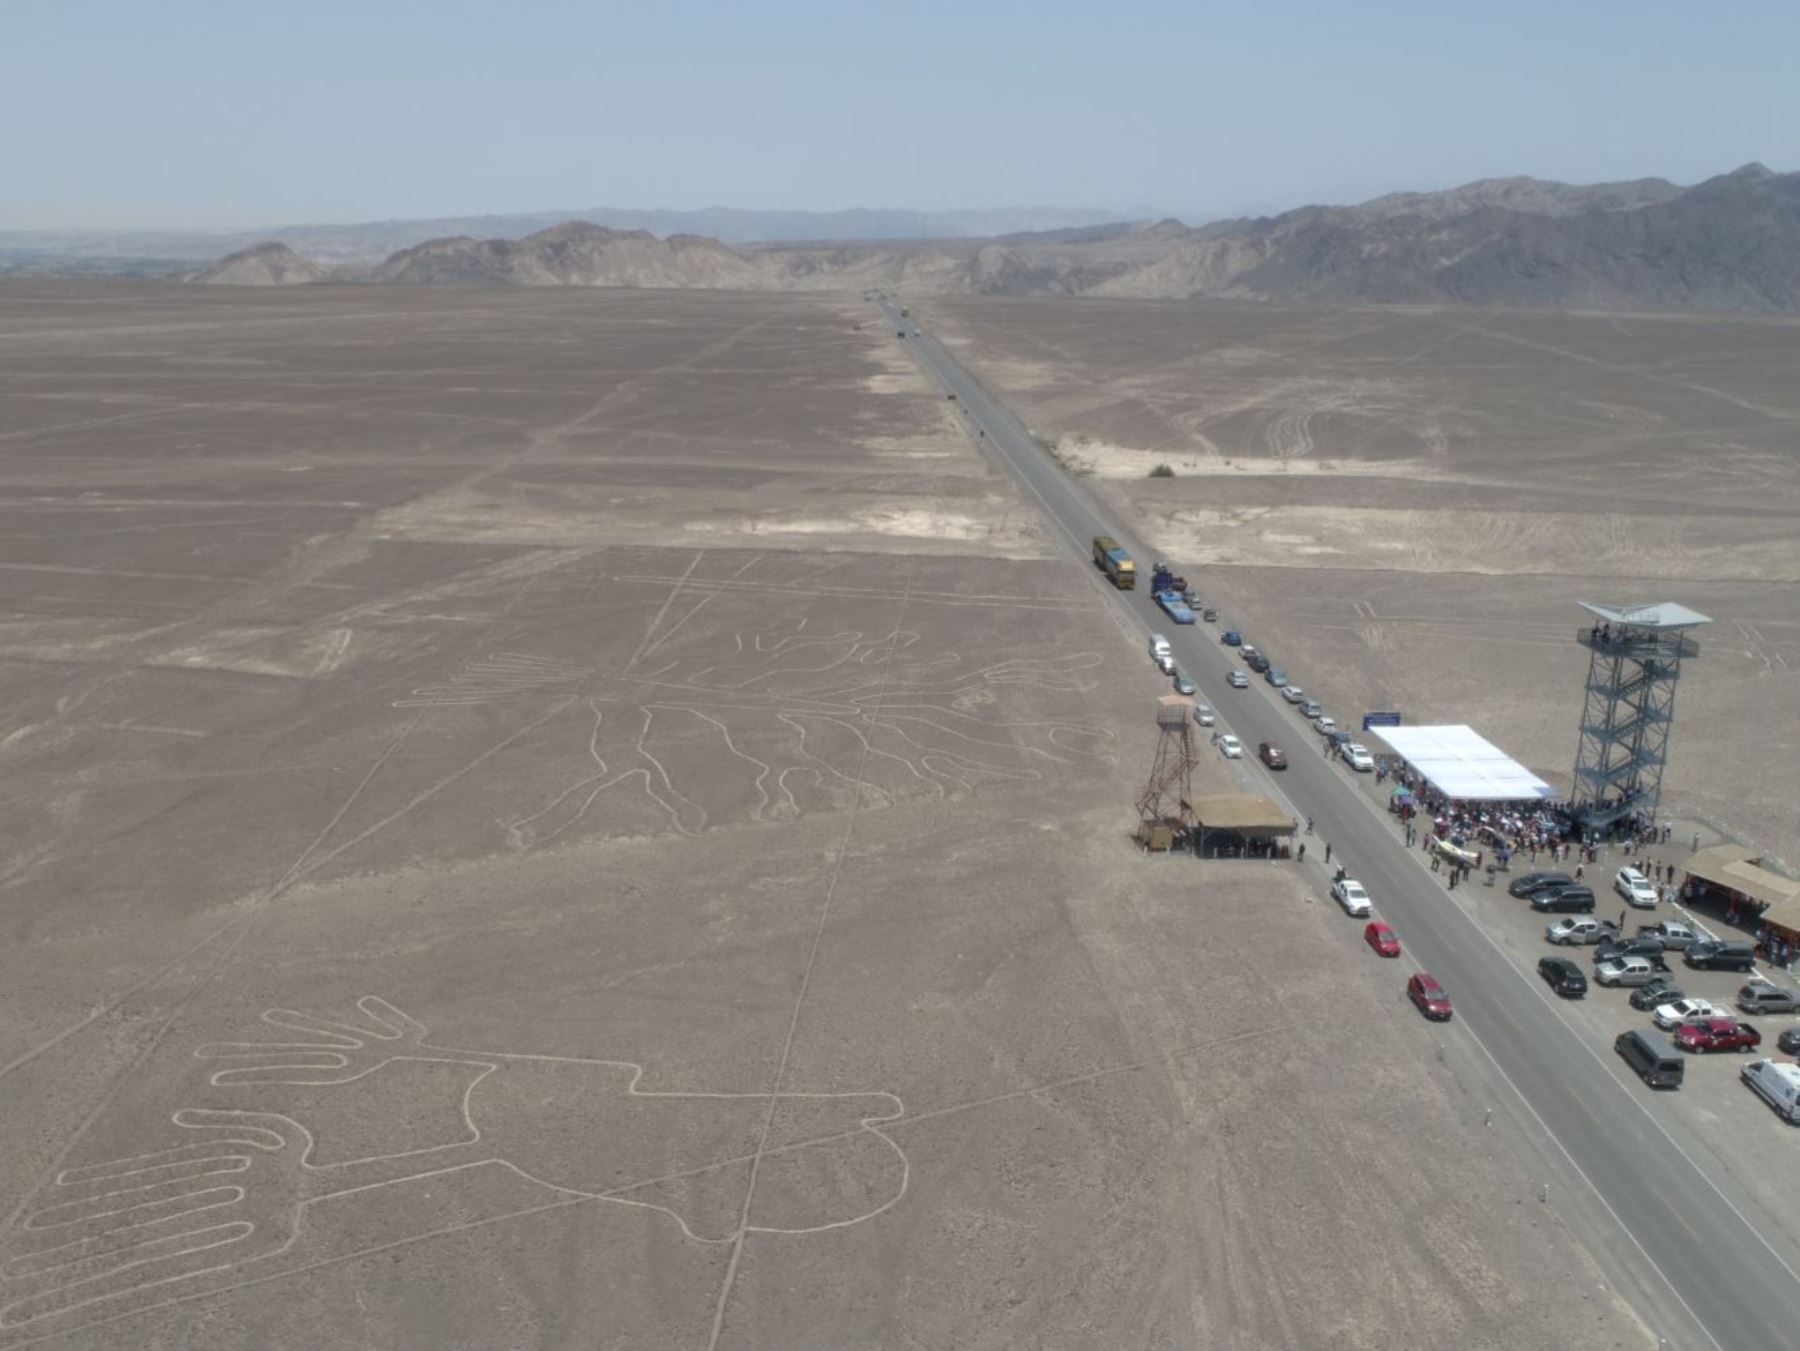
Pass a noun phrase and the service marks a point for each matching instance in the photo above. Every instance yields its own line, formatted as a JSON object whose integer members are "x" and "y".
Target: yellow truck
{"x": 1114, "y": 562}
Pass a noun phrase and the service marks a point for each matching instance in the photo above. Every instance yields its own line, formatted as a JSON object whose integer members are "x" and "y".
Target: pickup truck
{"x": 1717, "y": 1034}
{"x": 1580, "y": 929}
{"x": 1671, "y": 933}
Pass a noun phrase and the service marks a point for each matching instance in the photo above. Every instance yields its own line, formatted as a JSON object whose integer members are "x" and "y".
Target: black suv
{"x": 1721, "y": 956}
{"x": 1662, "y": 990}
{"x": 1257, "y": 662}
{"x": 1563, "y": 976}
{"x": 1616, "y": 949}
{"x": 1535, "y": 882}
{"x": 1574, "y": 899}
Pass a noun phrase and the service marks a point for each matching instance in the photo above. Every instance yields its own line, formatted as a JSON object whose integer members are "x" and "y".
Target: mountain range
{"x": 1729, "y": 243}
{"x": 371, "y": 241}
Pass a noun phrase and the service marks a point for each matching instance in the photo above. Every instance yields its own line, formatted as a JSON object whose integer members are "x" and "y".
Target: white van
{"x": 1777, "y": 1082}
{"x": 1159, "y": 647}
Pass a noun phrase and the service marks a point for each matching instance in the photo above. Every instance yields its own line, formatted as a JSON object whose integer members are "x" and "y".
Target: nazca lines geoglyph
{"x": 496, "y": 676}
{"x": 935, "y": 726}
{"x": 233, "y": 1203}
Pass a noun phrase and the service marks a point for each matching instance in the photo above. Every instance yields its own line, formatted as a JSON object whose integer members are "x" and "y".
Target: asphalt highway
{"x": 1670, "y": 1240}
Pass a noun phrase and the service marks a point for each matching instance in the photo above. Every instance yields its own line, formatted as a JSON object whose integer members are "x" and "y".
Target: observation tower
{"x": 1634, "y": 662}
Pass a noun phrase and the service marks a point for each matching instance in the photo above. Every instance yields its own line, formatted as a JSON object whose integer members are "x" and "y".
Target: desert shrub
{"x": 1162, "y": 471}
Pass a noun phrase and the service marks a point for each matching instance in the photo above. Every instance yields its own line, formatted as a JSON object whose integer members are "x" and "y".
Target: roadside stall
{"x": 1238, "y": 825}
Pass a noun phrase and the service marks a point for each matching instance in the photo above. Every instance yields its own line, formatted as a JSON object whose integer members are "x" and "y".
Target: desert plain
{"x": 598, "y": 818}
{"x": 1409, "y": 502}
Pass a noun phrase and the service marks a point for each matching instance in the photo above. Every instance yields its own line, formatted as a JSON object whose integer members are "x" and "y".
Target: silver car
{"x": 1204, "y": 715}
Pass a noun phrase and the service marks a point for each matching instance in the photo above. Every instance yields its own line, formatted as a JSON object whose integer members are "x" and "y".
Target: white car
{"x": 1229, "y": 746}
{"x": 1359, "y": 759}
{"x": 1165, "y": 663}
{"x": 1349, "y": 893}
{"x": 1293, "y": 694}
{"x": 1204, "y": 715}
{"x": 1685, "y": 1010}
{"x": 1238, "y": 680}
{"x": 1635, "y": 888}
{"x": 1324, "y": 724}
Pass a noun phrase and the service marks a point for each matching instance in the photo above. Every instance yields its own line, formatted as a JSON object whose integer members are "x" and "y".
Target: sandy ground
{"x": 591, "y": 819}
{"x": 1406, "y": 504}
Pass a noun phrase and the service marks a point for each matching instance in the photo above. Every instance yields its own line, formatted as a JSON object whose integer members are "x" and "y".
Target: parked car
{"x": 1311, "y": 709}
{"x": 1293, "y": 694}
{"x": 1789, "y": 1041}
{"x": 1429, "y": 997}
{"x": 1358, "y": 758}
{"x": 1662, "y": 990}
{"x": 1165, "y": 663}
{"x": 1671, "y": 933}
{"x": 1183, "y": 685}
{"x": 1619, "y": 947}
{"x": 1275, "y": 676}
{"x": 1339, "y": 739}
{"x": 1563, "y": 976}
{"x": 1627, "y": 971}
{"x": 1272, "y": 755}
{"x": 1384, "y": 940}
{"x": 1635, "y": 888}
{"x": 1204, "y": 716}
{"x": 1238, "y": 680}
{"x": 1349, "y": 893}
{"x": 1573, "y": 899}
{"x": 1229, "y": 746}
{"x": 1231, "y": 638}
{"x": 1255, "y": 660}
{"x": 1325, "y": 724}
{"x": 1652, "y": 1057}
{"x": 1679, "y": 1011}
{"x": 1761, "y": 997}
{"x": 1535, "y": 882}
{"x": 1717, "y": 1034}
{"x": 1579, "y": 929}
{"x": 1716, "y": 956}
{"x": 1777, "y": 1083}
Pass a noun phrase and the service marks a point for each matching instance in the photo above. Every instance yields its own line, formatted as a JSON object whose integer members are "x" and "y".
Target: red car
{"x": 1272, "y": 755}
{"x": 1717, "y": 1034}
{"x": 1424, "y": 991}
{"x": 1383, "y": 939}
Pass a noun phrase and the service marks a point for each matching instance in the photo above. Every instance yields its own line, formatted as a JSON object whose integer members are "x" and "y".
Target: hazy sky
{"x": 202, "y": 112}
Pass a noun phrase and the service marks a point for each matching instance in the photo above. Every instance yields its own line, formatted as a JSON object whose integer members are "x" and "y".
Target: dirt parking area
{"x": 541, "y": 819}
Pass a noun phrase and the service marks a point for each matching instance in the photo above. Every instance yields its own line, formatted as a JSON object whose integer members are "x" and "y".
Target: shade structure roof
{"x": 1462, "y": 764}
{"x": 1239, "y": 811}
{"x": 1738, "y": 869}
{"x": 1664, "y": 615}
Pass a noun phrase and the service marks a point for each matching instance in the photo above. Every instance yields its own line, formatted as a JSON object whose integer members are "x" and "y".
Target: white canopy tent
{"x": 1463, "y": 765}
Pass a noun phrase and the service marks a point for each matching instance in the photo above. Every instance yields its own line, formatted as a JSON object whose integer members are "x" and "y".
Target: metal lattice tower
{"x": 1172, "y": 773}
{"x": 1634, "y": 661}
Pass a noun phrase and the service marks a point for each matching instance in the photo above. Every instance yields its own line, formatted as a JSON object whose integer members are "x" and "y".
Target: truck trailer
{"x": 1175, "y": 607}
{"x": 1114, "y": 562}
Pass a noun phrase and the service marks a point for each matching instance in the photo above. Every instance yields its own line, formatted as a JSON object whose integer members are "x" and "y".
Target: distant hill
{"x": 372, "y": 241}
{"x": 575, "y": 254}
{"x": 268, "y": 264}
{"x": 1730, "y": 243}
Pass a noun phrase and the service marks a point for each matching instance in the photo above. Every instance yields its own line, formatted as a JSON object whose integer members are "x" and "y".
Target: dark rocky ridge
{"x": 1729, "y": 243}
